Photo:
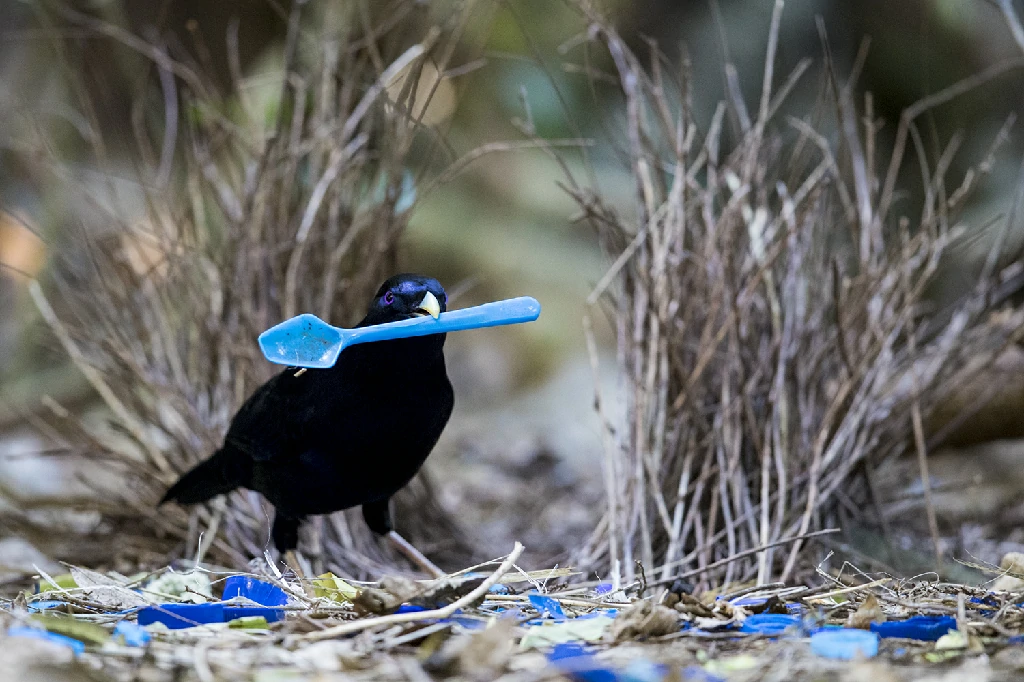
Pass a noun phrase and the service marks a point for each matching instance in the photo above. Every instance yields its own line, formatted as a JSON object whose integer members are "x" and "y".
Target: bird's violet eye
{"x": 389, "y": 298}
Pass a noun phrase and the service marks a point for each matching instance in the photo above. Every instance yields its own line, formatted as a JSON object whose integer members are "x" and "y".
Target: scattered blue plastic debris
{"x": 266, "y": 595}
{"x": 178, "y": 616}
{"x": 844, "y": 643}
{"x": 769, "y": 623}
{"x": 927, "y": 628}
{"x": 53, "y": 637}
{"x": 547, "y": 605}
{"x": 132, "y": 633}
{"x": 498, "y": 588}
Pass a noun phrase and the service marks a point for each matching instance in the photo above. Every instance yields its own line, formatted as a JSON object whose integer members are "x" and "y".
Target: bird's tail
{"x": 221, "y": 473}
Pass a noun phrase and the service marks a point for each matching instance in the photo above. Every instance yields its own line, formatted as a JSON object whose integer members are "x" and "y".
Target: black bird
{"x": 321, "y": 440}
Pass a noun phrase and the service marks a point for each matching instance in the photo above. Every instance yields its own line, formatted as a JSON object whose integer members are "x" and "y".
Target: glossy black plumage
{"x": 322, "y": 440}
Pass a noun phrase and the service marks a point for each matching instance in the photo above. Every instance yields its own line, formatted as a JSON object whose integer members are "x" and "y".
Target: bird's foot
{"x": 414, "y": 555}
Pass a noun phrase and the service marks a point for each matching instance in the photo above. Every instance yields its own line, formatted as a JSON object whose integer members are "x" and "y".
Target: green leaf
{"x": 575, "y": 630}
{"x": 249, "y": 623}
{"x": 83, "y": 631}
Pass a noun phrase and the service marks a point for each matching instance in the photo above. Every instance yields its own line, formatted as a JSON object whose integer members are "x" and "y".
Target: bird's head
{"x": 406, "y": 296}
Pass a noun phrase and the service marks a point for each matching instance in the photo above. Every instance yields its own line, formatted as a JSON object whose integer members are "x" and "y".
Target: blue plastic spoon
{"x": 307, "y": 341}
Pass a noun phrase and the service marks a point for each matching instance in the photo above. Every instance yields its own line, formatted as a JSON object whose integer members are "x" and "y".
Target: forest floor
{"x": 496, "y": 621}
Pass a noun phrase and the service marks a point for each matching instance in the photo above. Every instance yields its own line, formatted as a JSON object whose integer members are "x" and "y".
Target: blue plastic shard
{"x": 603, "y": 588}
{"x": 179, "y": 616}
{"x": 411, "y": 608}
{"x": 575, "y": 661}
{"x": 769, "y": 623}
{"x": 498, "y": 588}
{"x": 308, "y": 341}
{"x": 133, "y": 634}
{"x": 641, "y": 670}
{"x": 844, "y": 643}
{"x": 270, "y": 614}
{"x": 926, "y": 628}
{"x": 52, "y": 637}
{"x": 547, "y": 605}
{"x": 45, "y": 605}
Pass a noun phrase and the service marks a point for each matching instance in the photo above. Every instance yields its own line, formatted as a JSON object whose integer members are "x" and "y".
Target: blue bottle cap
{"x": 263, "y": 593}
{"x": 926, "y": 628}
{"x": 769, "y": 623}
{"x": 844, "y": 643}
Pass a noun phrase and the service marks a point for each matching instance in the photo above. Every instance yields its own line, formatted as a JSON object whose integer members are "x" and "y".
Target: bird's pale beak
{"x": 429, "y": 305}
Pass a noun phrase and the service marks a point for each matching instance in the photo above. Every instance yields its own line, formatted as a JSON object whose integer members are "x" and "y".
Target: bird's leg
{"x": 285, "y": 534}
{"x": 378, "y": 517}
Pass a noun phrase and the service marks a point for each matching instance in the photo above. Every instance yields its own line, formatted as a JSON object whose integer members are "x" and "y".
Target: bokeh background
{"x": 522, "y": 454}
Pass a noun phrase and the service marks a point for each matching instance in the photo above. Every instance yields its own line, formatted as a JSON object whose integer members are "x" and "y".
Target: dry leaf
{"x": 644, "y": 619}
{"x": 106, "y": 590}
{"x": 487, "y": 652}
{"x": 869, "y": 612}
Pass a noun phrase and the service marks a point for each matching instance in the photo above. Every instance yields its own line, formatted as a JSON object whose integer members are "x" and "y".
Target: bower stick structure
{"x": 768, "y": 298}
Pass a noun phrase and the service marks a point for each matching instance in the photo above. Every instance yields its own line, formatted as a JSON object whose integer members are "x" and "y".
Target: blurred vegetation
{"x": 504, "y": 221}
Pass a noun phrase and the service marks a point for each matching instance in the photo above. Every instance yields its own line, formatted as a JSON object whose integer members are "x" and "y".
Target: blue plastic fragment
{"x": 263, "y": 593}
{"x": 603, "y": 588}
{"x": 844, "y": 643}
{"x": 695, "y": 673}
{"x": 53, "y": 637}
{"x": 577, "y": 663}
{"x": 769, "y": 623}
{"x": 45, "y": 605}
{"x": 271, "y": 615}
{"x": 986, "y": 601}
{"x": 599, "y": 613}
{"x": 132, "y": 633}
{"x": 926, "y": 628}
{"x": 498, "y": 588}
{"x": 178, "y": 616}
{"x": 307, "y": 341}
{"x": 410, "y": 608}
{"x": 547, "y": 605}
{"x": 641, "y": 670}
{"x": 748, "y": 601}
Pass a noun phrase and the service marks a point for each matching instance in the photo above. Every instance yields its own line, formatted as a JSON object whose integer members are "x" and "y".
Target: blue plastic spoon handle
{"x": 510, "y": 311}
{"x": 307, "y": 341}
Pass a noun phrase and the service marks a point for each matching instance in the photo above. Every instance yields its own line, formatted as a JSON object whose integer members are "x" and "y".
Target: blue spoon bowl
{"x": 307, "y": 341}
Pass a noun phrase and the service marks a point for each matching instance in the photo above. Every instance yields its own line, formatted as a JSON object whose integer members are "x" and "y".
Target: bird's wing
{"x": 269, "y": 424}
